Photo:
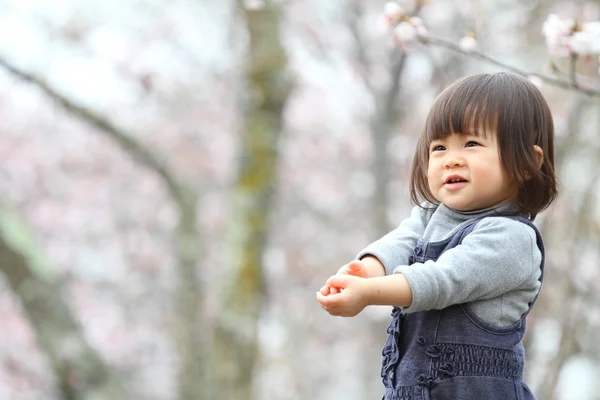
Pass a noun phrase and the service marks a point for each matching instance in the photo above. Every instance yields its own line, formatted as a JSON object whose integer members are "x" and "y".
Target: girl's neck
{"x": 502, "y": 207}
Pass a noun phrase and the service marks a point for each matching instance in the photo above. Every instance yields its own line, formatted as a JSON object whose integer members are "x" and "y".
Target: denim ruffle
{"x": 391, "y": 352}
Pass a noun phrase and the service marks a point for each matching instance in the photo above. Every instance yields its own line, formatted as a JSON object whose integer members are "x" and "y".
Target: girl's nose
{"x": 453, "y": 161}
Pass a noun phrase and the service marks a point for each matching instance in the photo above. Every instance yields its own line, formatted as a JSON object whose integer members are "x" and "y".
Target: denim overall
{"x": 451, "y": 354}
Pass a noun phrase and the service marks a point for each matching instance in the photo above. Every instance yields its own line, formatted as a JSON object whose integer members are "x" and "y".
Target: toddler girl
{"x": 464, "y": 270}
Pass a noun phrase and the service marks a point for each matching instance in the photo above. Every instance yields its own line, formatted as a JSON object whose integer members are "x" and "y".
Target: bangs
{"x": 467, "y": 107}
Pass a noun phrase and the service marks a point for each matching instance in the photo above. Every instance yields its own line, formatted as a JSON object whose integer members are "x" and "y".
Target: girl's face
{"x": 465, "y": 172}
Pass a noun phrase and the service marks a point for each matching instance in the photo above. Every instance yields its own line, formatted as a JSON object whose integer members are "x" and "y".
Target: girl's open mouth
{"x": 453, "y": 183}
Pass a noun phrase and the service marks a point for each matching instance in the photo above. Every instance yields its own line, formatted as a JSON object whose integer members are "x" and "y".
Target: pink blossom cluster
{"x": 406, "y": 29}
{"x": 566, "y": 37}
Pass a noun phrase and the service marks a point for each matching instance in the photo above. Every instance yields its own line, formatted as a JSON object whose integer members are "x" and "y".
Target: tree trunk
{"x": 195, "y": 363}
{"x": 194, "y": 382}
{"x": 81, "y": 373}
{"x": 382, "y": 127}
{"x": 244, "y": 291}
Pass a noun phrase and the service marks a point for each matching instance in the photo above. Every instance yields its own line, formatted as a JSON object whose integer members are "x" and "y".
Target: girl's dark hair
{"x": 510, "y": 107}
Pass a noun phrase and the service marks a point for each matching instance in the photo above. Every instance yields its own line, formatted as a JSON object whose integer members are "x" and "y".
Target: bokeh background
{"x": 179, "y": 177}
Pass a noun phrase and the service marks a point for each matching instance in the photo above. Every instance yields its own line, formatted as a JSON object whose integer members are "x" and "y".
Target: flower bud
{"x": 468, "y": 43}
{"x": 393, "y": 10}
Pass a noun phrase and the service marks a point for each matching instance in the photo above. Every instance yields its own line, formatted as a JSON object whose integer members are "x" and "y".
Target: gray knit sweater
{"x": 495, "y": 269}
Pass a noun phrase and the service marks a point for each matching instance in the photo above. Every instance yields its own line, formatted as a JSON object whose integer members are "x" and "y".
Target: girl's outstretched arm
{"x": 357, "y": 293}
{"x": 374, "y": 266}
{"x": 391, "y": 290}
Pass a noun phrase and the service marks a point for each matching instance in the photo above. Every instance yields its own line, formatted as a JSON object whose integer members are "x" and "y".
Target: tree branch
{"x": 187, "y": 242}
{"x": 573, "y": 68}
{"x": 565, "y": 84}
{"x": 80, "y": 371}
{"x": 130, "y": 145}
{"x": 353, "y": 17}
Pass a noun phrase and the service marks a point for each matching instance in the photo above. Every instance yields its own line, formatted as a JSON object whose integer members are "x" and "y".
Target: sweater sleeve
{"x": 499, "y": 256}
{"x": 396, "y": 247}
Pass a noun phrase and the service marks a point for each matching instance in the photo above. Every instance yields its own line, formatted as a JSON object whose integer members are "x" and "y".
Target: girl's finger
{"x": 334, "y": 301}
{"x": 322, "y": 299}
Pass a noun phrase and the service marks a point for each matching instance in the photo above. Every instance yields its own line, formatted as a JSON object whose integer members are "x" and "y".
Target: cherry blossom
{"x": 418, "y": 24}
{"x": 587, "y": 40}
{"x": 565, "y": 37}
{"x": 405, "y": 32}
{"x": 557, "y": 32}
{"x": 393, "y": 9}
{"x": 468, "y": 43}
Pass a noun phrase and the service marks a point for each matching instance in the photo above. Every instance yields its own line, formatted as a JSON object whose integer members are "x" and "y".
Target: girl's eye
{"x": 472, "y": 144}
{"x": 438, "y": 147}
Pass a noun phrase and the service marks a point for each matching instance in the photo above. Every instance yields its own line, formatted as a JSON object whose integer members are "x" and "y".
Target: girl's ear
{"x": 539, "y": 154}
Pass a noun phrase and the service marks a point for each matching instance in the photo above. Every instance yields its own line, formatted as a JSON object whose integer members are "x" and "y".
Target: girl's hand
{"x": 354, "y": 268}
{"x": 352, "y": 298}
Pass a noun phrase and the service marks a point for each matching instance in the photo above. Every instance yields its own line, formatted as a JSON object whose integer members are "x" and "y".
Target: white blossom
{"x": 384, "y": 25}
{"x": 580, "y": 43}
{"x": 591, "y": 30}
{"x": 557, "y": 32}
{"x": 405, "y": 32}
{"x": 585, "y": 41}
{"x": 468, "y": 43}
{"x": 419, "y": 27}
{"x": 393, "y": 9}
{"x": 564, "y": 37}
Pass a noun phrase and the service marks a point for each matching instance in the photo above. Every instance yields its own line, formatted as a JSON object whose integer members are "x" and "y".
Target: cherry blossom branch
{"x": 563, "y": 38}
{"x": 130, "y": 145}
{"x": 566, "y": 84}
{"x": 186, "y": 241}
{"x": 54, "y": 322}
{"x": 573, "y": 68}
{"x": 360, "y": 48}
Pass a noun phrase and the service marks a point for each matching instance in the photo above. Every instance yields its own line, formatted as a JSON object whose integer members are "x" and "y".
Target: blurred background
{"x": 179, "y": 177}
